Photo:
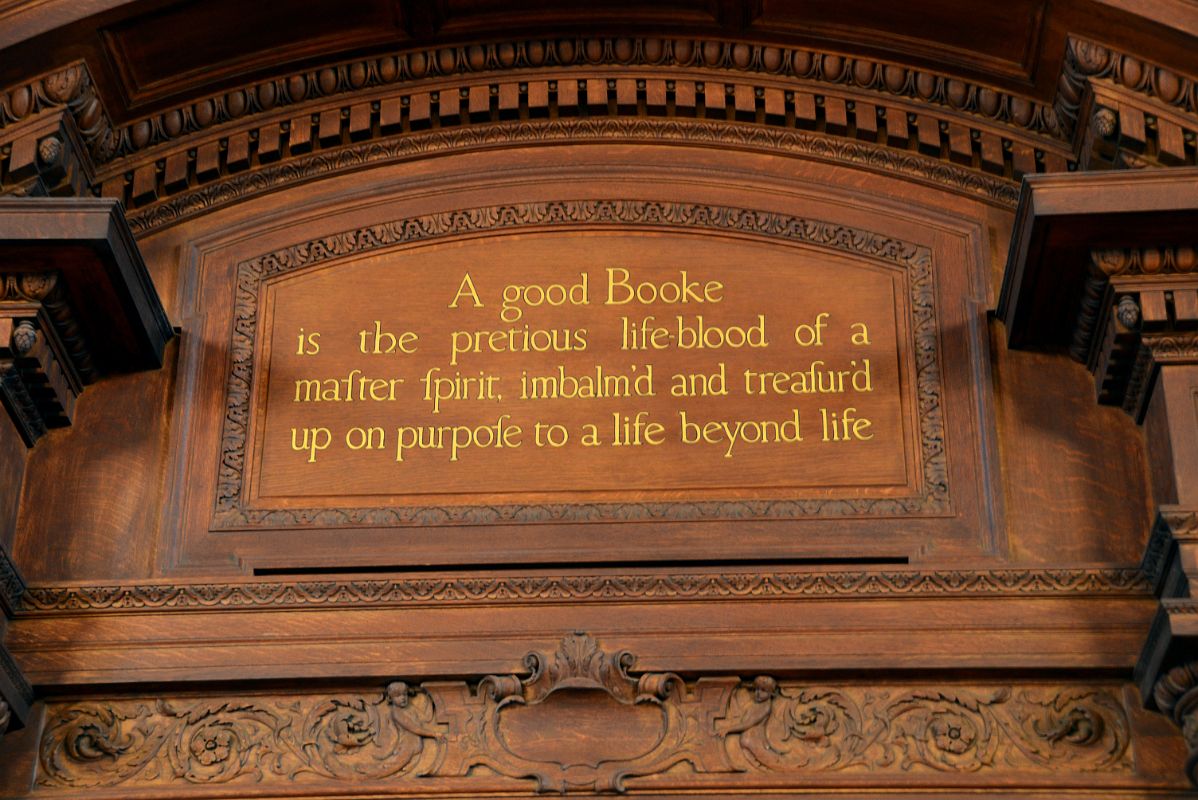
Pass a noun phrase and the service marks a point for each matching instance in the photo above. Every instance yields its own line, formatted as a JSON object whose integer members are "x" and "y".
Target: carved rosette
{"x": 952, "y": 730}
{"x": 582, "y": 720}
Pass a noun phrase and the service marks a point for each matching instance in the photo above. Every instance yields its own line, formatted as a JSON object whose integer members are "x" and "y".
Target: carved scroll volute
{"x": 556, "y": 725}
{"x": 1176, "y": 695}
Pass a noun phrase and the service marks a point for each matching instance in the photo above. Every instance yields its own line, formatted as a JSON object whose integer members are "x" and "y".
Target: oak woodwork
{"x": 552, "y": 723}
{"x": 1129, "y": 315}
{"x": 981, "y": 603}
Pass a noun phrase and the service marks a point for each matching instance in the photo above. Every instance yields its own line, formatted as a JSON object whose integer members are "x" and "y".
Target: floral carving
{"x": 562, "y": 725}
{"x": 955, "y": 730}
{"x": 347, "y": 737}
{"x": 915, "y": 261}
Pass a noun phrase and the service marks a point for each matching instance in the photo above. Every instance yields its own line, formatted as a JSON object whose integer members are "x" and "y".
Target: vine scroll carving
{"x": 583, "y": 719}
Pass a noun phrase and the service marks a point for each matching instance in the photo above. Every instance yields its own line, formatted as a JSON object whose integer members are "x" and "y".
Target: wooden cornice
{"x": 57, "y": 138}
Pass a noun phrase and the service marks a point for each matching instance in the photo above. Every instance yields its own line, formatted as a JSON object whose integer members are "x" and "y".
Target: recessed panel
{"x": 589, "y": 367}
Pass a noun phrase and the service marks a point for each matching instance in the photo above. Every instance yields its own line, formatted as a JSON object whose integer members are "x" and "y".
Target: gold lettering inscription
{"x": 592, "y": 372}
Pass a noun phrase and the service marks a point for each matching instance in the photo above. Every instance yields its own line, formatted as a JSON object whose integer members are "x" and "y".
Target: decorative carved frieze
{"x": 73, "y": 84}
{"x": 595, "y": 588}
{"x": 353, "y": 108}
{"x": 554, "y": 727}
{"x": 222, "y": 191}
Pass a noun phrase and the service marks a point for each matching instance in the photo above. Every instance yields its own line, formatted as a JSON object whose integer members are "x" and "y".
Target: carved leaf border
{"x": 392, "y": 592}
{"x": 230, "y": 508}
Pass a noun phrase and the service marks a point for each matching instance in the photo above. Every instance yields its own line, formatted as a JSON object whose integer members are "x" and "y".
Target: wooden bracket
{"x": 1105, "y": 266}
{"x": 76, "y": 301}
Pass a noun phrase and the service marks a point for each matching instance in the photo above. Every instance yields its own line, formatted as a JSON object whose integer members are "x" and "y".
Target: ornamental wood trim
{"x": 549, "y": 729}
{"x": 898, "y": 118}
{"x": 599, "y": 587}
{"x": 175, "y": 208}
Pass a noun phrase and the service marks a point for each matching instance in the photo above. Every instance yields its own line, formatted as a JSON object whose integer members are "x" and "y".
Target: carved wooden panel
{"x": 833, "y": 443}
{"x": 900, "y": 467}
{"x": 552, "y": 729}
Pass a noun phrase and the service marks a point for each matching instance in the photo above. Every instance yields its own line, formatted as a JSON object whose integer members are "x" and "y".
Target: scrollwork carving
{"x": 251, "y": 739}
{"x": 957, "y": 730}
{"x": 1176, "y": 695}
{"x": 661, "y": 722}
{"x": 582, "y": 719}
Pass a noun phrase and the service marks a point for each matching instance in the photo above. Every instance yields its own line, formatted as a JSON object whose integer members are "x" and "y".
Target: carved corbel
{"x": 1140, "y": 314}
{"x": 1105, "y": 266}
{"x": 44, "y": 360}
{"x": 1176, "y": 695}
{"x": 75, "y": 301}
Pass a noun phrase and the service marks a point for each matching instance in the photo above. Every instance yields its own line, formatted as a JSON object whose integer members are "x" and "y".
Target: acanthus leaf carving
{"x": 527, "y": 728}
{"x": 582, "y": 719}
{"x": 223, "y": 740}
{"x": 951, "y": 730}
